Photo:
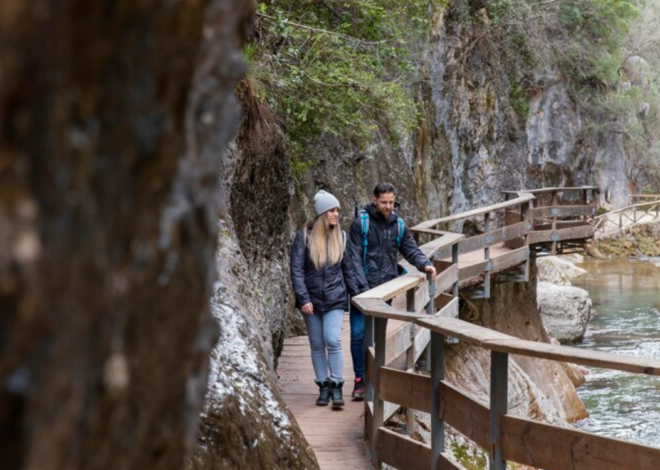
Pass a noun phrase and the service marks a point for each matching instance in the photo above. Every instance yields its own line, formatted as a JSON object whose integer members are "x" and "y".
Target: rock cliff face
{"x": 108, "y": 224}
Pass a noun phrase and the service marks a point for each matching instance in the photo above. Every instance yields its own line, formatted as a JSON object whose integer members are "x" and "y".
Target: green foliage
{"x": 467, "y": 458}
{"x": 298, "y": 174}
{"x": 340, "y": 67}
{"x": 519, "y": 101}
{"x": 592, "y": 36}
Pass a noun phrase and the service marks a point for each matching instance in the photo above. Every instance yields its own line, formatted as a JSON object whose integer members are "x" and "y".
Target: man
{"x": 382, "y": 232}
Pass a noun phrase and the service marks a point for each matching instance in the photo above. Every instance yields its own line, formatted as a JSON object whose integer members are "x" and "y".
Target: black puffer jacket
{"x": 382, "y": 249}
{"x": 325, "y": 288}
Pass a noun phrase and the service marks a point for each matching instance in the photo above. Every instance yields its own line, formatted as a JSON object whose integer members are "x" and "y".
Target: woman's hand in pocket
{"x": 307, "y": 309}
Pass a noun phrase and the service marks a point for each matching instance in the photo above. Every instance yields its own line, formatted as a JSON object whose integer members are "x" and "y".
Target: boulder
{"x": 557, "y": 270}
{"x": 565, "y": 310}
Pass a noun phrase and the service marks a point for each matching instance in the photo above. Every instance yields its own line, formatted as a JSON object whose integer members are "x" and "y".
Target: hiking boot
{"x": 324, "y": 393}
{"x": 335, "y": 390}
{"x": 358, "y": 390}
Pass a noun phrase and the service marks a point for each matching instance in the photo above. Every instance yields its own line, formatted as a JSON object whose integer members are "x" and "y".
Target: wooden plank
{"x": 405, "y": 388}
{"x": 550, "y": 190}
{"x": 583, "y": 357}
{"x": 512, "y": 231}
{"x": 379, "y": 309}
{"x": 509, "y": 259}
{"x": 574, "y": 233}
{"x": 422, "y": 338}
{"x": 500, "y": 235}
{"x": 447, "y": 306}
{"x": 398, "y": 342}
{"x": 475, "y": 212}
{"x": 393, "y": 288}
{"x": 462, "y": 330}
{"x": 562, "y": 211}
{"x": 496, "y": 341}
{"x": 472, "y": 270}
{"x": 336, "y": 438}
{"x": 539, "y": 236}
{"x": 555, "y": 448}
{"x": 445, "y": 241}
{"x": 445, "y": 280}
{"x": 400, "y": 451}
{"x": 421, "y": 298}
{"x": 474, "y": 243}
{"x": 465, "y": 414}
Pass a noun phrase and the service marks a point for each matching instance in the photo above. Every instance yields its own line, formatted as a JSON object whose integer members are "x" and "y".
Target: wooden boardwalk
{"x": 336, "y": 436}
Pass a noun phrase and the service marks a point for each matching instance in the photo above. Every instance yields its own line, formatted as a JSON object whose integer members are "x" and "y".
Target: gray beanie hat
{"x": 324, "y": 201}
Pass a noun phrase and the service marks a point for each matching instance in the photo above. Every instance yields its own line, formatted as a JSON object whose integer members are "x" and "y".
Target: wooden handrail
{"x": 627, "y": 208}
{"x": 550, "y": 190}
{"x": 472, "y": 213}
{"x": 495, "y": 341}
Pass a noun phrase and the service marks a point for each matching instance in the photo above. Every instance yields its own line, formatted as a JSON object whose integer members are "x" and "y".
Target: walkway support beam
{"x": 379, "y": 404}
{"x": 499, "y": 371}
{"x": 437, "y": 376}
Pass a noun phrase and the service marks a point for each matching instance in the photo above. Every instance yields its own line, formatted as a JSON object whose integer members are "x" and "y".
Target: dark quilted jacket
{"x": 382, "y": 249}
{"x": 326, "y": 288}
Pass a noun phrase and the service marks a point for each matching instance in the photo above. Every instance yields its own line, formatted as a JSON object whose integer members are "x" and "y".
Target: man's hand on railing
{"x": 430, "y": 269}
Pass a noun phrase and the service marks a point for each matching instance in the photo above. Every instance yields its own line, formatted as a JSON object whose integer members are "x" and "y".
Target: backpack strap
{"x": 364, "y": 218}
{"x": 401, "y": 229}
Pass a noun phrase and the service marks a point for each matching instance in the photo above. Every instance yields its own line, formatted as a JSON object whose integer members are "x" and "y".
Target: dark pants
{"x": 357, "y": 340}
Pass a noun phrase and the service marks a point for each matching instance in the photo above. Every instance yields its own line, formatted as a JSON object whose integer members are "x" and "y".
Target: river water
{"x": 626, "y": 296}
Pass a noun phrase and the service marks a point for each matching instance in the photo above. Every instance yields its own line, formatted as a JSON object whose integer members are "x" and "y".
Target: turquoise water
{"x": 626, "y": 296}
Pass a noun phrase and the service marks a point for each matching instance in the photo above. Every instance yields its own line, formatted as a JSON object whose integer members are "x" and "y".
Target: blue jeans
{"x": 324, "y": 330}
{"x": 357, "y": 341}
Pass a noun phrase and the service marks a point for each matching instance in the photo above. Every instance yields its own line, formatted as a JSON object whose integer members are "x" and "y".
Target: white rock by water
{"x": 565, "y": 310}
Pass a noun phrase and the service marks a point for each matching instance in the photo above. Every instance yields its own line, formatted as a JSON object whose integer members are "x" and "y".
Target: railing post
{"x": 555, "y": 202}
{"x": 487, "y": 256}
{"x": 524, "y": 212}
{"x": 454, "y": 290}
{"x": 379, "y": 405}
{"x": 430, "y": 310}
{"x": 368, "y": 342}
{"x": 585, "y": 201}
{"x": 437, "y": 376}
{"x": 499, "y": 368}
{"x": 369, "y": 386}
{"x": 410, "y": 357}
{"x": 454, "y": 260}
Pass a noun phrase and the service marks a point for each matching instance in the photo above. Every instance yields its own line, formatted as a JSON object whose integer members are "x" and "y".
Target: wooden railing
{"x": 560, "y": 216}
{"x": 627, "y": 216}
{"x": 432, "y": 307}
{"x": 424, "y": 299}
{"x": 561, "y": 224}
{"x": 635, "y": 198}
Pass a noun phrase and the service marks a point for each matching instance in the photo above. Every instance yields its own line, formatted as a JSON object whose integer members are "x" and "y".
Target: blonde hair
{"x": 325, "y": 243}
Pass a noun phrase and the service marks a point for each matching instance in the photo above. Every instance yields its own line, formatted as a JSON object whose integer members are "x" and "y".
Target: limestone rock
{"x": 565, "y": 310}
{"x": 557, "y": 270}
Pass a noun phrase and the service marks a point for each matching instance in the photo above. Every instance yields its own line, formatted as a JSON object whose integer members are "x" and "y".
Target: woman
{"x": 319, "y": 265}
